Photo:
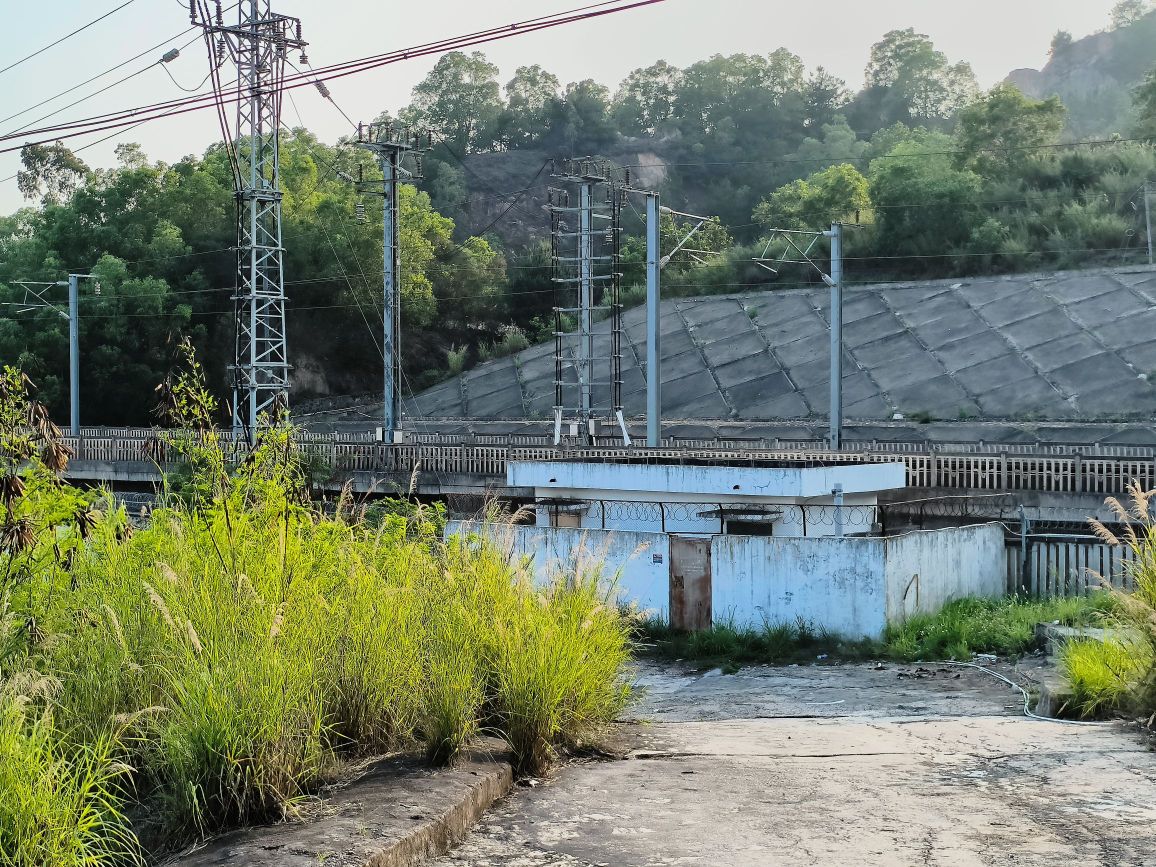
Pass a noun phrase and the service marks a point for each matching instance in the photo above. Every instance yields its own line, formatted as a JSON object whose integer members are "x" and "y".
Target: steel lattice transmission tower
{"x": 257, "y": 45}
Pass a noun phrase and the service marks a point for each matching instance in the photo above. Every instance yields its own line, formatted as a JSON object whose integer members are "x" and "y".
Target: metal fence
{"x": 1046, "y": 565}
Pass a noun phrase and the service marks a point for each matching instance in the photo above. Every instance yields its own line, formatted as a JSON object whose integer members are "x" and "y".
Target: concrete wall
{"x": 836, "y": 583}
{"x": 598, "y": 481}
{"x": 926, "y": 570}
{"x": 853, "y": 587}
{"x": 639, "y": 563}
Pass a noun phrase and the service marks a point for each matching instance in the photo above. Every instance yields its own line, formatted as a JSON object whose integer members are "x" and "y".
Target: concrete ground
{"x": 841, "y": 765}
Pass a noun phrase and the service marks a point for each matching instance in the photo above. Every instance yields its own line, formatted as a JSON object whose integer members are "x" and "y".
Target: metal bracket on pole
{"x": 73, "y": 317}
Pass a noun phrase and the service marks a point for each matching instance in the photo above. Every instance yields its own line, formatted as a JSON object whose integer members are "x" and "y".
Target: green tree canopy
{"x": 1003, "y": 129}
{"x": 461, "y": 99}
{"x": 913, "y": 81}
{"x": 836, "y": 193}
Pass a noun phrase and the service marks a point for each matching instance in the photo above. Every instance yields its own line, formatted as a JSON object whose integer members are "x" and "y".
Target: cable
{"x": 180, "y": 86}
{"x": 104, "y": 89}
{"x": 123, "y": 63}
{"x": 66, "y": 36}
{"x": 172, "y": 108}
{"x": 1024, "y": 692}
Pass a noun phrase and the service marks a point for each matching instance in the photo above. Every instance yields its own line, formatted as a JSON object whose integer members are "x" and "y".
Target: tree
{"x": 645, "y": 99}
{"x": 460, "y": 98}
{"x": 924, "y": 205}
{"x": 1003, "y": 129}
{"x": 837, "y": 193}
{"x": 50, "y": 171}
{"x": 532, "y": 103}
{"x": 1061, "y": 42}
{"x": 823, "y": 96}
{"x": 911, "y": 80}
{"x": 586, "y": 123}
{"x": 1128, "y": 12}
{"x": 1144, "y": 100}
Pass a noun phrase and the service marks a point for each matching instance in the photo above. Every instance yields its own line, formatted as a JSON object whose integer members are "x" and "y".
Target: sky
{"x": 995, "y": 36}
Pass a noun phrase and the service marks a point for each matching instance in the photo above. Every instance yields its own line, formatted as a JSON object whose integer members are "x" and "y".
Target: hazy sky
{"x": 995, "y": 36}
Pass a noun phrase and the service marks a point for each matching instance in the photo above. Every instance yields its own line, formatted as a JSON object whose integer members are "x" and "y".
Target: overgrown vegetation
{"x": 1005, "y": 627}
{"x": 1120, "y": 672}
{"x": 215, "y": 666}
{"x": 962, "y": 629}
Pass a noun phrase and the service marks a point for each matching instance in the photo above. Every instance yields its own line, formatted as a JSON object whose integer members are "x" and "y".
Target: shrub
{"x": 456, "y": 359}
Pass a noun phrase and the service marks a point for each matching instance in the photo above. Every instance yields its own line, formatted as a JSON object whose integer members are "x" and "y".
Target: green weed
{"x": 1001, "y": 626}
{"x": 1103, "y": 674}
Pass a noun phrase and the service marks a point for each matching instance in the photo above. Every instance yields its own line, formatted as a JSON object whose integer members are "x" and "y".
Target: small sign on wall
{"x": 655, "y": 558}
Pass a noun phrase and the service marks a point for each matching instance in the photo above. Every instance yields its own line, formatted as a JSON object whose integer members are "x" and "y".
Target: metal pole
{"x": 1148, "y": 219}
{"x": 74, "y": 353}
{"x": 653, "y": 300}
{"x": 389, "y": 313}
{"x": 1025, "y": 551}
{"x": 836, "y": 283}
{"x": 837, "y": 493}
{"x": 586, "y": 302}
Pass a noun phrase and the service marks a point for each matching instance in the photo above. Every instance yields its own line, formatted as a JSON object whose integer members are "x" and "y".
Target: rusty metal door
{"x": 690, "y": 584}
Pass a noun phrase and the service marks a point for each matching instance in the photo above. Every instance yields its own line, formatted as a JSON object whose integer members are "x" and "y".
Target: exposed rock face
{"x": 1094, "y": 76}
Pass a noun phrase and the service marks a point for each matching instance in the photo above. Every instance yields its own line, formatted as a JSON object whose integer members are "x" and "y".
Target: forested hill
{"x": 1095, "y": 76}
{"x": 942, "y": 180}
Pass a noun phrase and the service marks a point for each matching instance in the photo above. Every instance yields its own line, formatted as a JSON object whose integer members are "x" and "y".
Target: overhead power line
{"x": 156, "y": 111}
{"x": 67, "y": 36}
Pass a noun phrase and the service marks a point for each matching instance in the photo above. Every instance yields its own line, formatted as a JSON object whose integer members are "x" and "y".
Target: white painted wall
{"x": 637, "y": 563}
{"x": 853, "y": 587}
{"x": 926, "y": 570}
{"x": 695, "y": 483}
{"x": 836, "y": 583}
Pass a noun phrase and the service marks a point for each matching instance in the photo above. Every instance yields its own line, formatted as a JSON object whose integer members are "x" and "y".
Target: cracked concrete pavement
{"x": 835, "y": 765}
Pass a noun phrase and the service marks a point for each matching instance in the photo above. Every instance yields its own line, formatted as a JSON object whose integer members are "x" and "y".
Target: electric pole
{"x": 653, "y": 331}
{"x": 257, "y": 44}
{"x": 835, "y": 281}
{"x": 389, "y": 143}
{"x": 1148, "y": 220}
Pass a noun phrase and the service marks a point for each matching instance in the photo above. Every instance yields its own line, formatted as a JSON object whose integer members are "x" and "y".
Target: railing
{"x": 439, "y": 455}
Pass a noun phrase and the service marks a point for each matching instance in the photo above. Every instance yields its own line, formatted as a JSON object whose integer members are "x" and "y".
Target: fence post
{"x": 1003, "y": 471}
{"x": 1025, "y": 550}
{"x": 1078, "y": 473}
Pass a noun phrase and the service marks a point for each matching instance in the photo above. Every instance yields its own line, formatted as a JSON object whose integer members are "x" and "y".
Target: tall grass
{"x": 60, "y": 803}
{"x": 1103, "y": 674}
{"x": 222, "y": 662}
{"x": 1121, "y": 672}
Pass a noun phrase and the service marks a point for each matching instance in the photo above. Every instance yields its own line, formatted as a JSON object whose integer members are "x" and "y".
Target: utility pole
{"x": 74, "y": 354}
{"x": 73, "y": 317}
{"x": 1148, "y": 220}
{"x": 389, "y": 143}
{"x": 835, "y": 281}
{"x": 258, "y": 44}
{"x": 653, "y": 331}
